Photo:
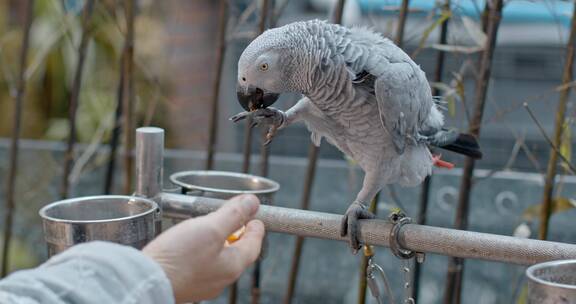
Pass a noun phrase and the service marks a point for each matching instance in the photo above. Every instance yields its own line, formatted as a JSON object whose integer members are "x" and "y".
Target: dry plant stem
{"x": 308, "y": 184}
{"x": 75, "y": 96}
{"x": 558, "y": 128}
{"x": 553, "y": 146}
{"x": 452, "y": 292}
{"x": 426, "y": 185}
{"x": 15, "y": 139}
{"x": 401, "y": 23}
{"x": 128, "y": 103}
{"x": 220, "y": 52}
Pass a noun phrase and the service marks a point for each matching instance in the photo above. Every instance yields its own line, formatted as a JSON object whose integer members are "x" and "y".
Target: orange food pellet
{"x": 236, "y": 235}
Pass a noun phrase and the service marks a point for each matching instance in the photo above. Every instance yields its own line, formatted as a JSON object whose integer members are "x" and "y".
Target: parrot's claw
{"x": 271, "y": 117}
{"x": 240, "y": 116}
{"x": 349, "y": 224}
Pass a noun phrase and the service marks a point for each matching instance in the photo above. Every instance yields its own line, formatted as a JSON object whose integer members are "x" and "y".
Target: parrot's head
{"x": 266, "y": 68}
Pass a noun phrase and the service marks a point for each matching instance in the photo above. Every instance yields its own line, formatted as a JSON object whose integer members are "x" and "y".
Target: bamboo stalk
{"x": 220, "y": 53}
{"x": 402, "y": 23}
{"x": 426, "y": 185}
{"x": 128, "y": 103}
{"x": 15, "y": 139}
{"x": 558, "y": 130}
{"x": 75, "y": 96}
{"x": 313, "y": 152}
{"x": 452, "y": 293}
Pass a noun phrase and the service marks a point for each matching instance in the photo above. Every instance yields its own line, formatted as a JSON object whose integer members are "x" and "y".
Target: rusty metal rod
{"x": 116, "y": 130}
{"x": 426, "y": 185}
{"x": 15, "y": 138}
{"x": 75, "y": 96}
{"x": 264, "y": 154}
{"x": 308, "y": 183}
{"x": 456, "y": 265}
{"x": 402, "y": 23}
{"x": 220, "y": 56}
{"x": 364, "y": 262}
{"x": 373, "y": 206}
{"x": 128, "y": 103}
{"x": 420, "y": 238}
{"x": 304, "y": 205}
{"x": 558, "y": 130}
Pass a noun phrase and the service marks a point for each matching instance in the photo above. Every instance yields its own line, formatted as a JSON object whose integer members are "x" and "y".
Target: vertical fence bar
{"x": 401, "y": 23}
{"x": 558, "y": 130}
{"x": 264, "y": 154}
{"x": 426, "y": 185}
{"x": 116, "y": 129}
{"x": 247, "y": 151}
{"x": 364, "y": 262}
{"x": 399, "y": 41}
{"x": 308, "y": 185}
{"x": 129, "y": 96}
{"x": 304, "y": 205}
{"x": 220, "y": 56}
{"x": 456, "y": 265}
{"x": 15, "y": 138}
{"x": 75, "y": 96}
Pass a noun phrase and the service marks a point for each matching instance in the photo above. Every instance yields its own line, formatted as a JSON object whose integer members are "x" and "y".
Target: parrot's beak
{"x": 252, "y": 98}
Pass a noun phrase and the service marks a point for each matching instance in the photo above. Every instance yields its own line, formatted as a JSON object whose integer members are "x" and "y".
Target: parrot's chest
{"x": 356, "y": 131}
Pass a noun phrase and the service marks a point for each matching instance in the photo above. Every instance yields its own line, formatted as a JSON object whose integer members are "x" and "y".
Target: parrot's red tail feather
{"x": 441, "y": 163}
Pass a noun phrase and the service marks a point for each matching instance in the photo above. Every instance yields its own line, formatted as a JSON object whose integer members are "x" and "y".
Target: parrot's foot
{"x": 349, "y": 225}
{"x": 271, "y": 117}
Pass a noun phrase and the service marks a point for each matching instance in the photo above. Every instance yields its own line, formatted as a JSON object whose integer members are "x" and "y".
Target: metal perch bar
{"x": 419, "y": 238}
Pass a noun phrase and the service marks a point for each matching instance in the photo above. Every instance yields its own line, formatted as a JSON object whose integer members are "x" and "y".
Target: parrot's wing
{"x": 402, "y": 101}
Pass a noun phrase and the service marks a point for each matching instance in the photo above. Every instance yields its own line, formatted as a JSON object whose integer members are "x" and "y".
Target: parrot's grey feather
{"x": 402, "y": 102}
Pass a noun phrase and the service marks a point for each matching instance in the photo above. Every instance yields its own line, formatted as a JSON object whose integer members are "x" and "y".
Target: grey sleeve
{"x": 95, "y": 272}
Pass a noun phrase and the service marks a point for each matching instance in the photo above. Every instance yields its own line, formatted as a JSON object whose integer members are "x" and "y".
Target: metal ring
{"x": 399, "y": 220}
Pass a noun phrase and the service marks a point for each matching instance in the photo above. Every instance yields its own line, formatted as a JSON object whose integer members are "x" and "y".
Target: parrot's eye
{"x": 264, "y": 67}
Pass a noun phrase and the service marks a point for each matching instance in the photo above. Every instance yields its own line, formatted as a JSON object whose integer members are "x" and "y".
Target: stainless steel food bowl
{"x": 552, "y": 282}
{"x": 223, "y": 185}
{"x": 121, "y": 219}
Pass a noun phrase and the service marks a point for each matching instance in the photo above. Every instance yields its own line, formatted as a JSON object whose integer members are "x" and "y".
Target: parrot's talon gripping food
{"x": 362, "y": 93}
{"x": 270, "y": 117}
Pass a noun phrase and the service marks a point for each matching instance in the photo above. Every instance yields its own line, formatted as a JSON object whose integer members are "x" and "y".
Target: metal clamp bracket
{"x": 399, "y": 219}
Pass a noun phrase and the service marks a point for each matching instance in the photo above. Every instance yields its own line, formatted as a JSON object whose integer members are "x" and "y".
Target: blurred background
{"x": 98, "y": 69}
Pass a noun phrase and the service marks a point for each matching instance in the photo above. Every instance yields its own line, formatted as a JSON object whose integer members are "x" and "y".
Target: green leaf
{"x": 559, "y": 204}
{"x": 523, "y": 296}
{"x": 475, "y": 31}
{"x": 443, "y": 17}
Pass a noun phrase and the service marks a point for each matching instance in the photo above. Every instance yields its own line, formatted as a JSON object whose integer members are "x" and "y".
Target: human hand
{"x": 195, "y": 257}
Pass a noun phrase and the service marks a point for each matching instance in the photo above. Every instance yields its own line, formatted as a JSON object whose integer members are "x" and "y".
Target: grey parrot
{"x": 361, "y": 93}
